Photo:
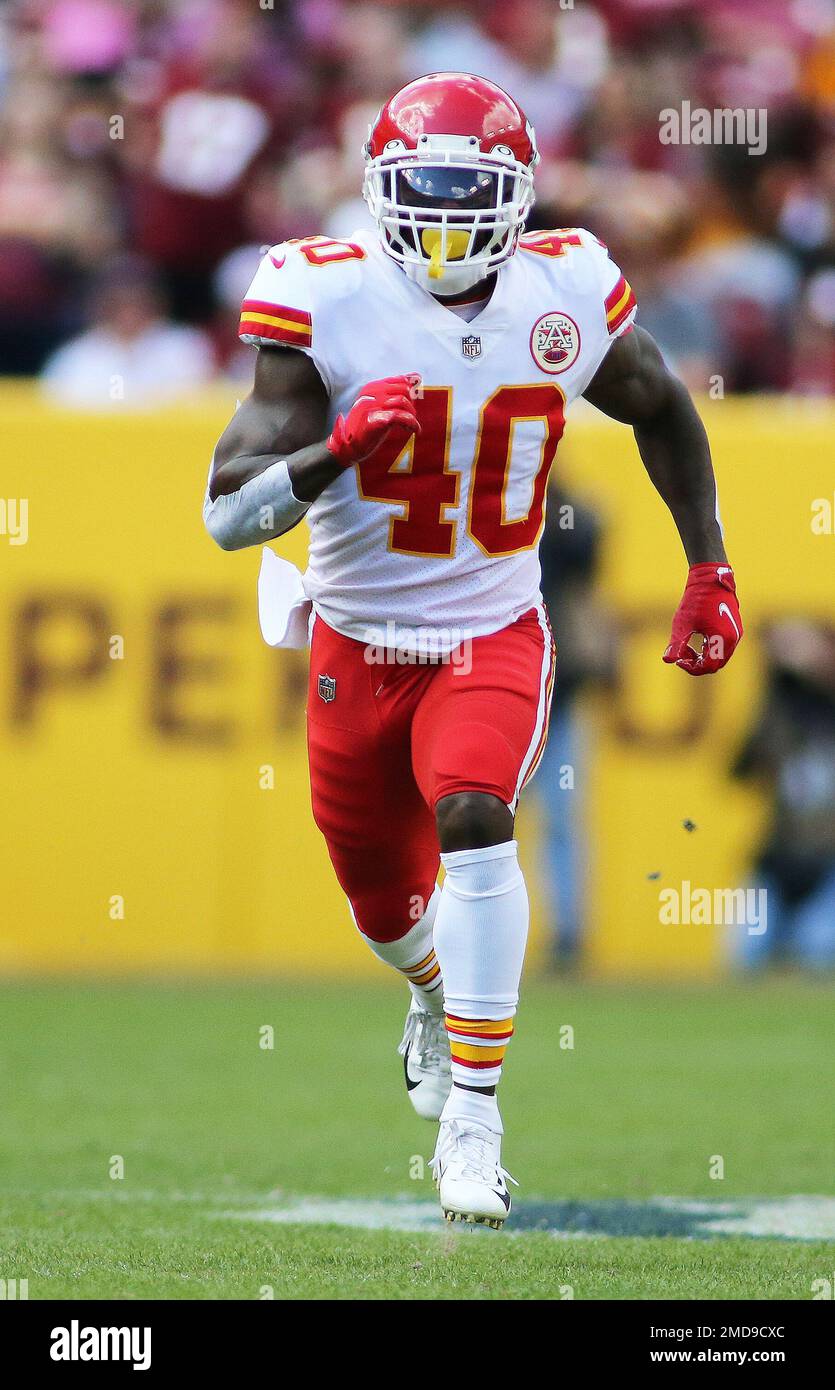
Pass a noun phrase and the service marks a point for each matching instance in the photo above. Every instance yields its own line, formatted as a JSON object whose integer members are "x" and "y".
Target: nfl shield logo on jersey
{"x": 471, "y": 346}
{"x": 327, "y": 688}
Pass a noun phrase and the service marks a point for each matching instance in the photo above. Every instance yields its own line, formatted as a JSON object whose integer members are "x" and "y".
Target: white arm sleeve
{"x": 262, "y": 509}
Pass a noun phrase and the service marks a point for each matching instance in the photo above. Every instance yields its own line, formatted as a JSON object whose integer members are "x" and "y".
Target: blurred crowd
{"x": 790, "y": 752}
{"x": 150, "y": 148}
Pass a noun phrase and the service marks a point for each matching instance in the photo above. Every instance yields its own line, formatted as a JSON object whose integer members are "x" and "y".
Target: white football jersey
{"x": 439, "y": 540}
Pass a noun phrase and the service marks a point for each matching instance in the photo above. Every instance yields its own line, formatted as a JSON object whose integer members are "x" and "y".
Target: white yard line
{"x": 793, "y": 1218}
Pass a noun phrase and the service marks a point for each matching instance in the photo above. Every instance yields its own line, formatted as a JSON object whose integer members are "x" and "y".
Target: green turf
{"x": 173, "y": 1080}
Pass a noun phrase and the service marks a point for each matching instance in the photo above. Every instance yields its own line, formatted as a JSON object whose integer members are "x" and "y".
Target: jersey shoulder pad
{"x": 277, "y": 307}
{"x": 294, "y": 279}
{"x": 619, "y": 303}
{"x": 577, "y": 255}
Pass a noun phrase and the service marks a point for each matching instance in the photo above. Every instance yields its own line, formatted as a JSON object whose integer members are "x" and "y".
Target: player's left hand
{"x": 707, "y": 626}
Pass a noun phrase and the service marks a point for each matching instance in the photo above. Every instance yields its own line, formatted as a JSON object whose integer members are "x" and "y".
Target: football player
{"x": 409, "y": 398}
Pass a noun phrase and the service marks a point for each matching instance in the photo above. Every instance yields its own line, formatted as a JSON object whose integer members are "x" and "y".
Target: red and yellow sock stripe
{"x": 426, "y": 973}
{"x": 478, "y": 1043}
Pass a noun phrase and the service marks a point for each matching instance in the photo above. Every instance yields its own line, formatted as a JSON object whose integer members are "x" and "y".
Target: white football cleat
{"x": 472, "y": 1184}
{"x": 425, "y": 1053}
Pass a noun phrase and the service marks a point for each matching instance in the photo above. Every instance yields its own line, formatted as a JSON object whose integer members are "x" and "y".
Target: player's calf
{"x": 480, "y": 935}
{"x": 424, "y": 1046}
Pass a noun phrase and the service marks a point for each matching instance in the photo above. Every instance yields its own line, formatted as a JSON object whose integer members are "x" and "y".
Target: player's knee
{"x": 388, "y": 910}
{"x": 472, "y": 820}
{"x": 379, "y": 919}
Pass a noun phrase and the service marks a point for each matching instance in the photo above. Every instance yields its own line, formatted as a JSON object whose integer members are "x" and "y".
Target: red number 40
{"x": 419, "y": 479}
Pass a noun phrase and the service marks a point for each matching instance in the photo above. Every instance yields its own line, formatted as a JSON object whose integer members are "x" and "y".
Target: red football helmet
{"x": 449, "y": 178}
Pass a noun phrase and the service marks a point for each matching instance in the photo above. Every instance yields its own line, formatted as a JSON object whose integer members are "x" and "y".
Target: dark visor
{"x": 439, "y": 186}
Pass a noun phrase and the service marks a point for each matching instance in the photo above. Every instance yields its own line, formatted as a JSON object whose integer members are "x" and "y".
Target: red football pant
{"x": 386, "y": 742}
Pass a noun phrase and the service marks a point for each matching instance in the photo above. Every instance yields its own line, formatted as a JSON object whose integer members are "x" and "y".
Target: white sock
{"x": 414, "y": 956}
{"x": 475, "y": 1106}
{"x": 481, "y": 930}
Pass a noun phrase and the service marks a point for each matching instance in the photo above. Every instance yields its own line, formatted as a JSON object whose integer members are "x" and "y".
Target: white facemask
{"x": 456, "y": 279}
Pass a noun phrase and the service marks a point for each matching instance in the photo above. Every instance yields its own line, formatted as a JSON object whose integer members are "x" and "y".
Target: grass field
{"x": 297, "y": 1170}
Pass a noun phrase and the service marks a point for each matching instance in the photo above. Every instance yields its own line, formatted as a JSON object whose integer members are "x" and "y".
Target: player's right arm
{"x": 272, "y": 461}
{"x": 284, "y": 416}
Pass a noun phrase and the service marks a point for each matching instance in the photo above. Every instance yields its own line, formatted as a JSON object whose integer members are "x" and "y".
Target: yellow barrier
{"x": 153, "y": 752}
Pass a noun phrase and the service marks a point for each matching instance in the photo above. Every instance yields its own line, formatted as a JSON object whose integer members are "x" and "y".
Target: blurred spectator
{"x": 219, "y": 103}
{"x": 130, "y": 355}
{"x": 646, "y": 219}
{"x": 791, "y": 752}
{"x": 232, "y": 279}
{"x": 81, "y": 37}
{"x": 587, "y": 656}
{"x": 814, "y": 355}
{"x": 749, "y": 286}
{"x": 185, "y": 130}
{"x": 550, "y": 59}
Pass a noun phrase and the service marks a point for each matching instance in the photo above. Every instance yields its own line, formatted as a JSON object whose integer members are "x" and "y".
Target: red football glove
{"x": 381, "y": 406}
{"x": 707, "y": 627}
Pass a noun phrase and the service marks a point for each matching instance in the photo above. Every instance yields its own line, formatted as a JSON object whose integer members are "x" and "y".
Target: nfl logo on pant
{"x": 327, "y": 688}
{"x": 471, "y": 346}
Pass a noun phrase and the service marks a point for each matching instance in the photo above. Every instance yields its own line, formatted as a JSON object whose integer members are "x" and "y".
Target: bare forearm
{"x": 265, "y": 469}
{"x": 634, "y": 386}
{"x": 674, "y": 448}
{"x": 311, "y": 469}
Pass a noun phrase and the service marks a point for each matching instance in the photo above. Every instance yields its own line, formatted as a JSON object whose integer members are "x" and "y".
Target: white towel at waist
{"x": 284, "y": 610}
